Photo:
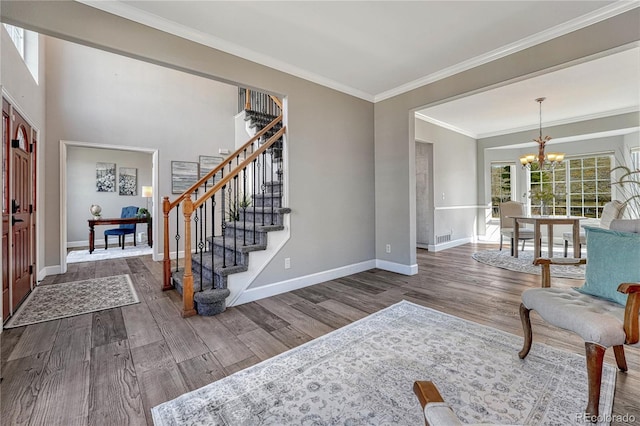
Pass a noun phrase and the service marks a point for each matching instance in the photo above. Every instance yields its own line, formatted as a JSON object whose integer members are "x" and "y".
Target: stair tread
{"x": 250, "y": 225}
{"x": 228, "y": 243}
{"x": 217, "y": 265}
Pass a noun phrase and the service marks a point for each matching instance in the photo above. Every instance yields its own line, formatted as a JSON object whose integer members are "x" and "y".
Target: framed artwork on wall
{"x": 183, "y": 175}
{"x": 105, "y": 177}
{"x": 128, "y": 181}
{"x": 207, "y": 164}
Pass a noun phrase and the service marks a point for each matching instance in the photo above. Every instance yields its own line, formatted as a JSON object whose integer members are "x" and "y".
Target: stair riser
{"x": 231, "y": 255}
{"x": 275, "y": 218}
{"x": 231, "y": 233}
{"x": 269, "y": 200}
{"x": 219, "y": 282}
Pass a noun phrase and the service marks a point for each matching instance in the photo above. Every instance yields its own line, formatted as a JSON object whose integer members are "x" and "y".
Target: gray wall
{"x": 29, "y": 97}
{"x": 330, "y": 137}
{"x": 81, "y": 189}
{"x": 454, "y": 178}
{"x": 395, "y": 128}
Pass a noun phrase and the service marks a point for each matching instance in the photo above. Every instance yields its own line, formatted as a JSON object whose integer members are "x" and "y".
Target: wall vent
{"x": 441, "y": 239}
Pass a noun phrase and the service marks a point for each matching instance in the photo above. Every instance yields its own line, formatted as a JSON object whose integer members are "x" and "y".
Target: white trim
{"x": 450, "y": 244}
{"x": 258, "y": 293}
{"x": 162, "y": 24}
{"x": 575, "y": 24}
{"x": 470, "y": 206}
{"x": 397, "y": 267}
{"x": 63, "y": 191}
{"x": 444, "y": 125}
{"x": 49, "y": 270}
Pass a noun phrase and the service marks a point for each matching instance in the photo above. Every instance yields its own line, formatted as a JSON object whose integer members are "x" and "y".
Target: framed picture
{"x": 128, "y": 181}
{"x": 183, "y": 175}
{"x": 206, "y": 165}
{"x": 106, "y": 177}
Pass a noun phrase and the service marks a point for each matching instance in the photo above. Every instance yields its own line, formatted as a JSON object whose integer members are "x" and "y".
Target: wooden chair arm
{"x": 546, "y": 266}
{"x": 426, "y": 393}
{"x": 631, "y": 311}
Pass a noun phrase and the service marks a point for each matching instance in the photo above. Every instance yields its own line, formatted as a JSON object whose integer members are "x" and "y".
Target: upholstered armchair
{"x": 436, "y": 411}
{"x": 508, "y": 209}
{"x": 604, "y": 311}
{"x": 612, "y": 210}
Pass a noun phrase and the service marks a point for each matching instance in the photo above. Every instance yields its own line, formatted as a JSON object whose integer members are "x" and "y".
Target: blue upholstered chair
{"x": 124, "y": 229}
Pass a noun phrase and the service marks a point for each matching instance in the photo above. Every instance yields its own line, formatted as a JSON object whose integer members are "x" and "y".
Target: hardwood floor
{"x": 113, "y": 366}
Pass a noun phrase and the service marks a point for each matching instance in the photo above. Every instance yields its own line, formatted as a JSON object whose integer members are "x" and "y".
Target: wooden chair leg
{"x": 106, "y": 242}
{"x": 134, "y": 239}
{"x": 566, "y": 247}
{"x": 523, "y": 241}
{"x": 620, "y": 358}
{"x": 512, "y": 247}
{"x": 528, "y": 334}
{"x": 122, "y": 242}
{"x": 500, "y": 242}
{"x": 595, "y": 357}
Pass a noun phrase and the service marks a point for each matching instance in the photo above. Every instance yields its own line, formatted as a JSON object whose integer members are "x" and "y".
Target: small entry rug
{"x": 524, "y": 263}
{"x": 363, "y": 373}
{"x": 55, "y": 301}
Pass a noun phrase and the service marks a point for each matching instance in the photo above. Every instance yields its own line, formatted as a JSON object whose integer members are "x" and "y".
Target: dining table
{"x": 538, "y": 221}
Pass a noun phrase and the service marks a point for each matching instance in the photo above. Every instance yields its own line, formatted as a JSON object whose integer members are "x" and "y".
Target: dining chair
{"x": 612, "y": 210}
{"x": 123, "y": 229}
{"x": 508, "y": 209}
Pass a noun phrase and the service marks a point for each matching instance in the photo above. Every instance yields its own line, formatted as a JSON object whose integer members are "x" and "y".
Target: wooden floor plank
{"x": 150, "y": 365}
{"x": 141, "y": 327}
{"x": 35, "y": 339}
{"x": 107, "y": 327}
{"x": 20, "y": 386}
{"x": 114, "y": 393}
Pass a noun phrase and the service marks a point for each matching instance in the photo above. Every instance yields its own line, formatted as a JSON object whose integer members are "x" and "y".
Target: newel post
{"x": 166, "y": 263}
{"x": 187, "y": 283}
{"x": 247, "y": 99}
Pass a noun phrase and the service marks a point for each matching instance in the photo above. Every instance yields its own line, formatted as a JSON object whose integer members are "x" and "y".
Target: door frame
{"x": 37, "y": 215}
{"x": 156, "y": 212}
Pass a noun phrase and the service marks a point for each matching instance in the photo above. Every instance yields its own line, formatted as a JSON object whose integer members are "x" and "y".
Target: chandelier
{"x": 552, "y": 159}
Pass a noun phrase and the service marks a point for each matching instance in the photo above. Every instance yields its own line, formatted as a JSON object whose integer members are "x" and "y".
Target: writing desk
{"x": 537, "y": 221}
{"x": 118, "y": 221}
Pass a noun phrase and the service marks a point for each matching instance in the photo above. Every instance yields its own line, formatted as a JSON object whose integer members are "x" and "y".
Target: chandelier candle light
{"x": 551, "y": 158}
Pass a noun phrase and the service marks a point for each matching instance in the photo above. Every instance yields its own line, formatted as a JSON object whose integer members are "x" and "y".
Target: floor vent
{"x": 441, "y": 239}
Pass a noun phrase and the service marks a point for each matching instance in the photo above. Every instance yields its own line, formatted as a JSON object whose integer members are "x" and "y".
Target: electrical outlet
{"x": 287, "y": 262}
{"x": 388, "y": 248}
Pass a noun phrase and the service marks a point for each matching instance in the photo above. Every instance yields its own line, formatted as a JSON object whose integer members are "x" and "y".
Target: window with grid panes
{"x": 554, "y": 180}
{"x": 500, "y": 187}
{"x": 17, "y": 36}
{"x": 586, "y": 181}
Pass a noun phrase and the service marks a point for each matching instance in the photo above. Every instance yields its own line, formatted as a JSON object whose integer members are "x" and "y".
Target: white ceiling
{"x": 378, "y": 49}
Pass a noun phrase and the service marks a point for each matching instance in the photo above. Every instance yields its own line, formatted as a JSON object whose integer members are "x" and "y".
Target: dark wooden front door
{"x": 18, "y": 206}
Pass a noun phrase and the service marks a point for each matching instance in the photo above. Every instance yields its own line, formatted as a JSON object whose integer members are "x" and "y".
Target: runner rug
{"x": 55, "y": 301}
{"x": 363, "y": 374}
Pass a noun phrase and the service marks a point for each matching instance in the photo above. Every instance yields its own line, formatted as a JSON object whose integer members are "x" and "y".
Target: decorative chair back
{"x": 507, "y": 210}
{"x": 128, "y": 212}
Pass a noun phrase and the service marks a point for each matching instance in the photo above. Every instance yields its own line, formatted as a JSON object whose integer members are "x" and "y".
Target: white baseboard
{"x": 49, "y": 270}
{"x": 258, "y": 293}
{"x": 397, "y": 267}
{"x": 454, "y": 243}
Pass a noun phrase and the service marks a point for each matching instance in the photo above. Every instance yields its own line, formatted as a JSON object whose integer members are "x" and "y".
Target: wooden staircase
{"x": 223, "y": 225}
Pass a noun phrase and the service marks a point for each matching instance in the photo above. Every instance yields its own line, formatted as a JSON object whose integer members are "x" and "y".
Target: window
{"x": 582, "y": 185}
{"x": 500, "y": 187}
{"x": 17, "y": 35}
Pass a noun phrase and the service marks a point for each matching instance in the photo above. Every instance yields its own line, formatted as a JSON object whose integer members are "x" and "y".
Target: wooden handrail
{"x": 223, "y": 182}
{"x": 220, "y": 166}
{"x": 276, "y": 101}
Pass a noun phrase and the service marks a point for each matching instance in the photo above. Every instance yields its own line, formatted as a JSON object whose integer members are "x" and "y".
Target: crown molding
{"x": 563, "y": 122}
{"x": 129, "y": 12}
{"x": 559, "y": 30}
{"x": 154, "y": 21}
{"x": 445, "y": 125}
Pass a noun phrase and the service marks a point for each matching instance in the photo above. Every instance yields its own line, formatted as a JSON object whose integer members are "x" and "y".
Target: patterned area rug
{"x": 363, "y": 374}
{"x": 524, "y": 263}
{"x": 55, "y": 301}
{"x": 76, "y": 256}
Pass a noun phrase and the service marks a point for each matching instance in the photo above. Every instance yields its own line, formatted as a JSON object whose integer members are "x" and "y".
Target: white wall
{"x": 81, "y": 189}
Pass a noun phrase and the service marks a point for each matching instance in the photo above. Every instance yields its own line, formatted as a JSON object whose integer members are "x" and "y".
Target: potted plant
{"x": 143, "y": 212}
{"x": 544, "y": 196}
